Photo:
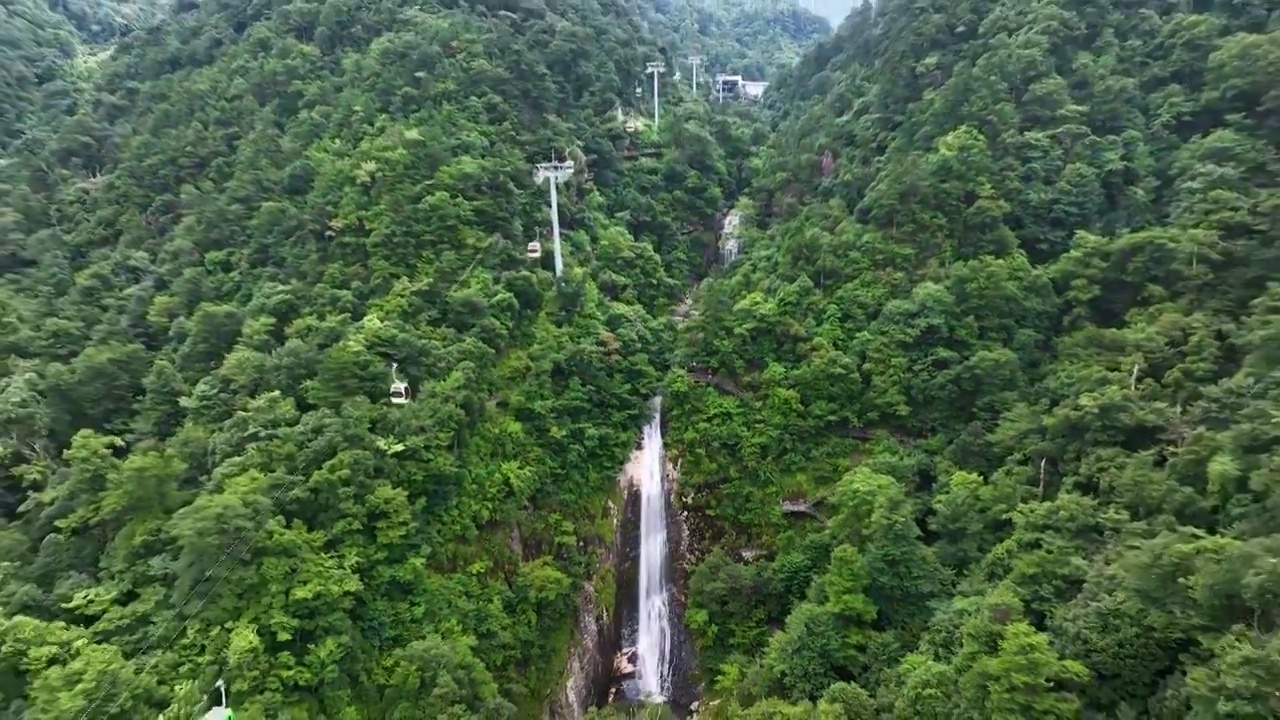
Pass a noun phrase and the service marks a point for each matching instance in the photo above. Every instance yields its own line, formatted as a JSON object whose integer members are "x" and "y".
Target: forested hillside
{"x": 36, "y": 50}
{"x": 104, "y": 20}
{"x": 982, "y": 425}
{"x": 211, "y": 254}
{"x": 1004, "y": 339}
{"x": 47, "y": 49}
{"x": 747, "y": 37}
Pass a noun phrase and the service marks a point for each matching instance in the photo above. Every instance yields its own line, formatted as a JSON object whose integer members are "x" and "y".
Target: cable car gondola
{"x": 399, "y": 389}
{"x": 222, "y": 711}
{"x": 533, "y": 250}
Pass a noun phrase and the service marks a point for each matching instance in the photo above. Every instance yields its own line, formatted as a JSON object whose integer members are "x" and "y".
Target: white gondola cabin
{"x": 221, "y": 711}
{"x": 533, "y": 250}
{"x": 399, "y": 394}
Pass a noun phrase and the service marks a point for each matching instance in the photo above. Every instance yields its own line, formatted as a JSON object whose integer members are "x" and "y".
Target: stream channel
{"x": 639, "y": 652}
{"x": 654, "y": 662}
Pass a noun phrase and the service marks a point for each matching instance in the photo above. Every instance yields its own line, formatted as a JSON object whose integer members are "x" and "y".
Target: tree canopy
{"x": 1006, "y": 318}
{"x": 981, "y": 425}
{"x": 216, "y": 237}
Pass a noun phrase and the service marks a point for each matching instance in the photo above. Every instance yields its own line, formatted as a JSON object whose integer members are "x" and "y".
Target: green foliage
{"x": 981, "y": 425}
{"x": 753, "y": 39}
{"x": 36, "y": 48}
{"x": 1004, "y": 334}
{"x": 104, "y": 20}
{"x": 212, "y": 253}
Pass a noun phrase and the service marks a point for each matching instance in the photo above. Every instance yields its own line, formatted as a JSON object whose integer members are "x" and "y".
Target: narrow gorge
{"x": 639, "y": 650}
{"x": 653, "y": 624}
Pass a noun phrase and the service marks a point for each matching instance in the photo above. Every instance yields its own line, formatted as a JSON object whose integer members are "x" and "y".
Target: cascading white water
{"x": 729, "y": 243}
{"x": 653, "y": 638}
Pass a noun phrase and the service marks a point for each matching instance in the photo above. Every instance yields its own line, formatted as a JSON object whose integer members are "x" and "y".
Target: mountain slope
{"x": 36, "y": 47}
{"x": 1005, "y": 321}
{"x": 738, "y": 37}
{"x": 209, "y": 266}
{"x": 100, "y": 21}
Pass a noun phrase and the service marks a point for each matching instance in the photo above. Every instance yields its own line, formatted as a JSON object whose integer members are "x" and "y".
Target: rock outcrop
{"x": 591, "y": 655}
{"x": 686, "y": 689}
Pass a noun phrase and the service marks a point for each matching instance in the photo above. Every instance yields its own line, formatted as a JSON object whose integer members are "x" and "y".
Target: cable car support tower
{"x": 695, "y": 61}
{"x": 556, "y": 172}
{"x": 655, "y": 69}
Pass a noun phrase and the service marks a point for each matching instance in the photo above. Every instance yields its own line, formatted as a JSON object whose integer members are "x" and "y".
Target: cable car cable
{"x": 260, "y": 525}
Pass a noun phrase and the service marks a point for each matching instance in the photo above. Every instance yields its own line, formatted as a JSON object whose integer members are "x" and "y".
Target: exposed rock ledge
{"x": 802, "y": 507}
{"x": 592, "y": 653}
{"x": 588, "y": 658}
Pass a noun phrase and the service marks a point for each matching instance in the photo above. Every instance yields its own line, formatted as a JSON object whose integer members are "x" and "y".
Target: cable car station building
{"x": 733, "y": 87}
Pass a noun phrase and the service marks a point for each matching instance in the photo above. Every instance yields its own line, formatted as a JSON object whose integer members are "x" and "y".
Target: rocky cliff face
{"x": 686, "y": 689}
{"x": 590, "y": 662}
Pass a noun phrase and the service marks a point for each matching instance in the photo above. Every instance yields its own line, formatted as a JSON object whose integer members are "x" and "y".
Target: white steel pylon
{"x": 556, "y": 172}
{"x": 694, "y": 61}
{"x": 655, "y": 69}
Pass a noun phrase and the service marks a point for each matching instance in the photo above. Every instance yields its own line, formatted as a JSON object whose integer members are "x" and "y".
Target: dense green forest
{"x": 1003, "y": 340}
{"x": 103, "y": 20}
{"x": 216, "y": 236}
{"x": 48, "y": 49}
{"x": 749, "y": 37}
{"x": 1007, "y": 323}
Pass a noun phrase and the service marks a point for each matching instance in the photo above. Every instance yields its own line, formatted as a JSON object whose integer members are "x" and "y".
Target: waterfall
{"x": 653, "y": 639}
{"x": 730, "y": 246}
{"x": 729, "y": 251}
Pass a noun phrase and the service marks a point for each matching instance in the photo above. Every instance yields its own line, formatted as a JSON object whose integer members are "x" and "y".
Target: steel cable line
{"x": 259, "y": 524}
